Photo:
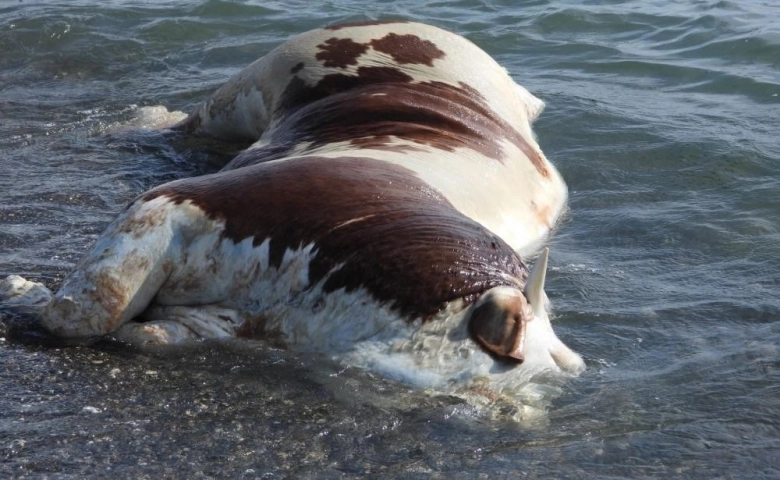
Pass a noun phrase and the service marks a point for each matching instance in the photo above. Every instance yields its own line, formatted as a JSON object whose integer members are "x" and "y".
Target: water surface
{"x": 663, "y": 118}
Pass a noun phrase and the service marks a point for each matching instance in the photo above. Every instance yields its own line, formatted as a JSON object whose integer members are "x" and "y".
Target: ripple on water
{"x": 662, "y": 117}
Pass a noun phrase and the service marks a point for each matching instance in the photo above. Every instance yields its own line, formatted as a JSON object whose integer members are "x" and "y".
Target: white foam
{"x": 155, "y": 117}
{"x": 21, "y": 295}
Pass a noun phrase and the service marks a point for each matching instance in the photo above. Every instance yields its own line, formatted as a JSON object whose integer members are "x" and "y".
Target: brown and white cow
{"x": 378, "y": 218}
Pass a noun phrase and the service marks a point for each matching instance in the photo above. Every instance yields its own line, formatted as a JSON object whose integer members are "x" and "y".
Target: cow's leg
{"x": 172, "y": 325}
{"x": 121, "y": 274}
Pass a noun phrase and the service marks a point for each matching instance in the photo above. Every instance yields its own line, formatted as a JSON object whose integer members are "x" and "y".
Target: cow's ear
{"x": 497, "y": 324}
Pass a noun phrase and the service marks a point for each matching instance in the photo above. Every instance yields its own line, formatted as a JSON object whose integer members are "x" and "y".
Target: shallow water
{"x": 662, "y": 117}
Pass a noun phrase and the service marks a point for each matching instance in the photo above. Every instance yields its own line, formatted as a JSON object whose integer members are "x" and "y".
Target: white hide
{"x": 510, "y": 198}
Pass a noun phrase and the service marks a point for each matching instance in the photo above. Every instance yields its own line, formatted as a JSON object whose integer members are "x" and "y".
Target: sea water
{"x": 662, "y": 116}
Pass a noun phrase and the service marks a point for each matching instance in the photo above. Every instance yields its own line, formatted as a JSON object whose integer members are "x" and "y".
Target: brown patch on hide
{"x": 298, "y": 94}
{"x": 408, "y": 49}
{"x": 410, "y": 248}
{"x": 380, "y": 103}
{"x": 362, "y": 23}
{"x": 340, "y": 52}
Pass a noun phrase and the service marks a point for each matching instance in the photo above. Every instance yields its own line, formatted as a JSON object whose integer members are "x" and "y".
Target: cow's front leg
{"x": 121, "y": 274}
